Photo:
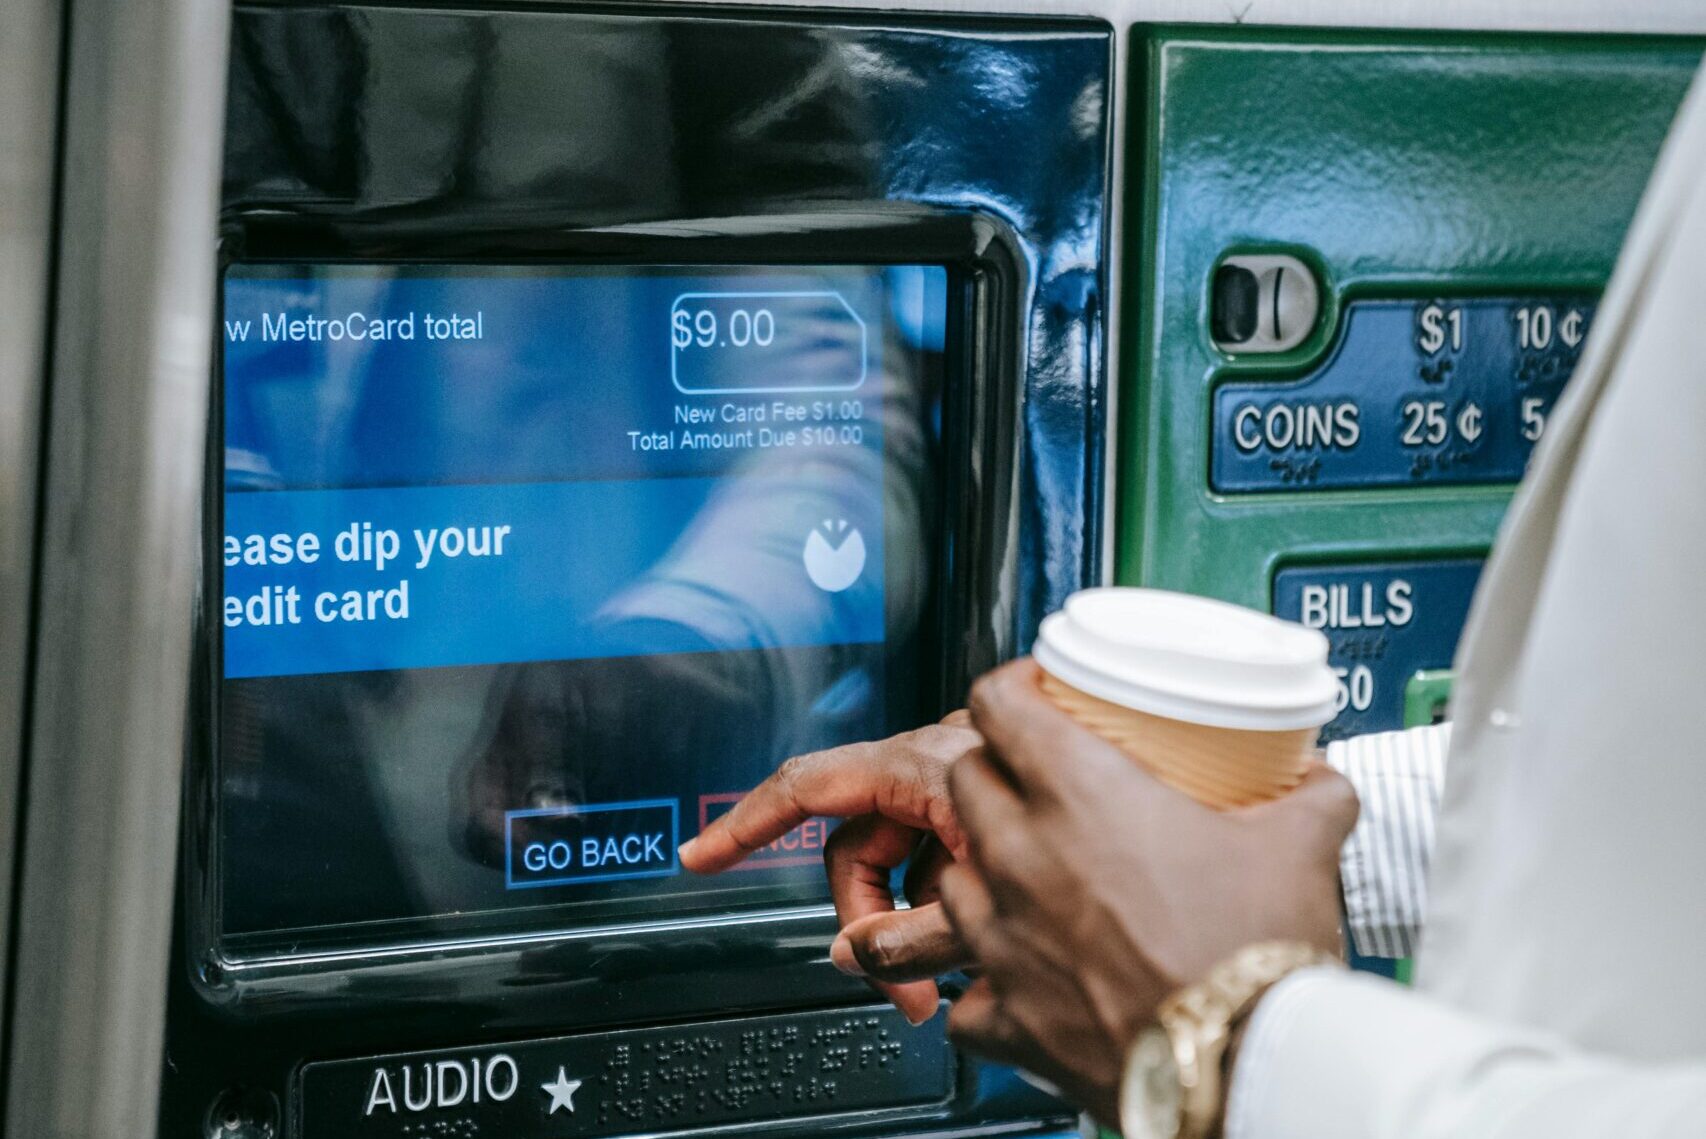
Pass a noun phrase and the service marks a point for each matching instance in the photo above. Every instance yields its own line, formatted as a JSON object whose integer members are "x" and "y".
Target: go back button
{"x": 592, "y": 842}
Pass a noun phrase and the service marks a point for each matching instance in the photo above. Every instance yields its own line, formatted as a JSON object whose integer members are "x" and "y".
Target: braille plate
{"x": 641, "y": 1081}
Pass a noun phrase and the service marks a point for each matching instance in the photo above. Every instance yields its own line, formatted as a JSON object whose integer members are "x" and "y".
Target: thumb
{"x": 905, "y": 945}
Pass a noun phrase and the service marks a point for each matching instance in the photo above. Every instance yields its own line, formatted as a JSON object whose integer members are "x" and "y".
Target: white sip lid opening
{"x": 1190, "y": 658}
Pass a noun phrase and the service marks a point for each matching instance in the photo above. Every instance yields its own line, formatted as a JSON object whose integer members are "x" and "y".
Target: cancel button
{"x": 595, "y": 842}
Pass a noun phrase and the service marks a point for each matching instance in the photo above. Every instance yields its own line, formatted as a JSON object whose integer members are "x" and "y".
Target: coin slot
{"x": 1263, "y": 303}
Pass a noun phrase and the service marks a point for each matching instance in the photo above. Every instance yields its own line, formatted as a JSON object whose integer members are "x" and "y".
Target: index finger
{"x": 904, "y": 778}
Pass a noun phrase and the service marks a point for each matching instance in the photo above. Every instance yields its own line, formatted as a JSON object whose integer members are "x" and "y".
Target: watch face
{"x": 1150, "y": 1099}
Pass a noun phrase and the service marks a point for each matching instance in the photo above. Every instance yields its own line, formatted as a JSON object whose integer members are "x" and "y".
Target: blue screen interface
{"x": 526, "y": 573}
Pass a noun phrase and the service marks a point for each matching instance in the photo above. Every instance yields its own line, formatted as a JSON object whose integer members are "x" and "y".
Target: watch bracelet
{"x": 1200, "y": 1018}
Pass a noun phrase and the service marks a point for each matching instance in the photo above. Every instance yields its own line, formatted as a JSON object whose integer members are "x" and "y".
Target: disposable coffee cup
{"x": 1222, "y": 702}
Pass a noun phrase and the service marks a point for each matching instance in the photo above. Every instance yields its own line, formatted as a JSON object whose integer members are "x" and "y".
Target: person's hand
{"x": 1092, "y": 891}
{"x": 894, "y": 796}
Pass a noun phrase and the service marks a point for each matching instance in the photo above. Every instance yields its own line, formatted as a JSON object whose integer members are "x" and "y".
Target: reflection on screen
{"x": 527, "y": 573}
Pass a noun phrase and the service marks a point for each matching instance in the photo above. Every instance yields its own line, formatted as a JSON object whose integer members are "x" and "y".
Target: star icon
{"x": 562, "y": 1091}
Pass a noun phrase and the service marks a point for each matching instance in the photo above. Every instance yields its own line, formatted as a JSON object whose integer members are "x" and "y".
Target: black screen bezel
{"x": 973, "y": 576}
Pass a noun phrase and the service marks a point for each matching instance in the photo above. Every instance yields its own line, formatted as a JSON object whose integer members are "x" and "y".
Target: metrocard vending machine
{"x": 610, "y": 405}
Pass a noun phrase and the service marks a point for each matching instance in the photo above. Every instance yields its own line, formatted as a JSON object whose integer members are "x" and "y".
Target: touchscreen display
{"x": 526, "y": 573}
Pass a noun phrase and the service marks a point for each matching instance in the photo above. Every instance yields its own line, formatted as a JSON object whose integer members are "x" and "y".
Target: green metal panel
{"x": 1427, "y": 697}
{"x": 1399, "y": 166}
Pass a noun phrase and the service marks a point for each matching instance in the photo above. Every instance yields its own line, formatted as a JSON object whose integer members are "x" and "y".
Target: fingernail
{"x": 842, "y": 957}
{"x": 685, "y": 850}
{"x": 918, "y": 1020}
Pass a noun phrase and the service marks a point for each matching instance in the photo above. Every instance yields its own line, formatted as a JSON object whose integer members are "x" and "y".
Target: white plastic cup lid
{"x": 1190, "y": 658}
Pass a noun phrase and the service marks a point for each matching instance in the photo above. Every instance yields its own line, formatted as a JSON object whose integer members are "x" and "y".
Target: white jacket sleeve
{"x": 1336, "y": 1055}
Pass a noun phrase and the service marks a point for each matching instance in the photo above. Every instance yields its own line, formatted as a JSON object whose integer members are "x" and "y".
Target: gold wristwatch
{"x": 1172, "y": 1085}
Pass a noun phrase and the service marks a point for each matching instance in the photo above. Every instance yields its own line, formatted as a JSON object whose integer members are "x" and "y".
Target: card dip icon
{"x": 835, "y": 555}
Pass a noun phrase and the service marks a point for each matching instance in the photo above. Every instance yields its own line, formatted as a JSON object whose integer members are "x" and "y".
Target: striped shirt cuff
{"x": 1384, "y": 864}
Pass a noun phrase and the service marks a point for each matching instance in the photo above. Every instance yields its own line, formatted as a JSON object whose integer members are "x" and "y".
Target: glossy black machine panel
{"x": 611, "y": 403}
